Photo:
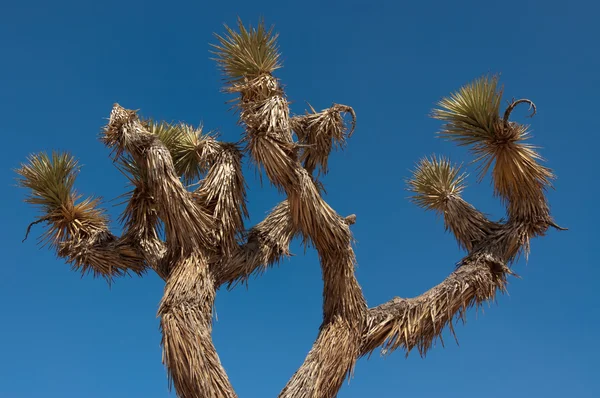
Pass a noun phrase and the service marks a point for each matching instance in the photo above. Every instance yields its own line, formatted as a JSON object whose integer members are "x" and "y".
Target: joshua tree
{"x": 185, "y": 213}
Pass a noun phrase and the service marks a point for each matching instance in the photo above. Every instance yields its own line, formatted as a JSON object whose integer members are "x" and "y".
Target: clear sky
{"x": 64, "y": 63}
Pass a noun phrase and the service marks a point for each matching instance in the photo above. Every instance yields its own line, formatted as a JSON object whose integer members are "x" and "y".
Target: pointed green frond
{"x": 247, "y": 53}
{"x": 472, "y": 113}
{"x": 49, "y": 178}
{"x": 191, "y": 149}
{"x": 434, "y": 182}
{"x": 169, "y": 133}
{"x": 472, "y": 117}
{"x": 195, "y": 153}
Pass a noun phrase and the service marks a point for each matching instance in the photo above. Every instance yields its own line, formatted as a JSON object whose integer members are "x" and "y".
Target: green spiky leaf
{"x": 247, "y": 53}
{"x": 434, "y": 182}
{"x": 50, "y": 179}
{"x": 168, "y": 133}
{"x": 191, "y": 149}
{"x": 194, "y": 153}
{"x": 472, "y": 117}
{"x": 472, "y": 113}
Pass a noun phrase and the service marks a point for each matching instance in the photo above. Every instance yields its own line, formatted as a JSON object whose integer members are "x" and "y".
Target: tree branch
{"x": 329, "y": 362}
{"x": 77, "y": 229}
{"x": 437, "y": 185}
{"x": 223, "y": 194}
{"x": 267, "y": 243}
{"x": 511, "y": 107}
{"x": 320, "y": 132}
{"x": 186, "y": 307}
{"x": 187, "y": 225}
{"x": 103, "y": 254}
{"x": 469, "y": 225}
{"x": 186, "y": 323}
{"x": 265, "y": 113}
{"x": 141, "y": 228}
{"x": 419, "y": 321}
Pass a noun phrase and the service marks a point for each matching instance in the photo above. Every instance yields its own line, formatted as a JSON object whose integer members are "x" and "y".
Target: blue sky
{"x": 65, "y": 63}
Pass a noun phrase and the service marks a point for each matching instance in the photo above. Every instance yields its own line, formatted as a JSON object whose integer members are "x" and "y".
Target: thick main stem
{"x": 328, "y": 363}
{"x": 186, "y": 323}
{"x": 186, "y": 308}
{"x": 266, "y": 115}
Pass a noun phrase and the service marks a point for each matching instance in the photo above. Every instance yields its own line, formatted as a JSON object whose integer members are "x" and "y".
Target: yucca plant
{"x": 185, "y": 214}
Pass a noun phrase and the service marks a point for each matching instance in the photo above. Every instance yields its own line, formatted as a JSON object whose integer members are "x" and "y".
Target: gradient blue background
{"x": 65, "y": 63}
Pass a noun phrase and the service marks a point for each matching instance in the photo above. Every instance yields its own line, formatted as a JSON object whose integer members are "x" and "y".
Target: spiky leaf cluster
{"x": 434, "y": 182}
{"x": 471, "y": 113}
{"x": 50, "y": 180}
{"x": 248, "y": 53}
{"x": 192, "y": 150}
{"x": 472, "y": 119}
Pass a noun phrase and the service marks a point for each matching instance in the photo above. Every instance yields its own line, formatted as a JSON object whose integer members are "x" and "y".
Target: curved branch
{"x": 95, "y": 249}
{"x": 319, "y": 132}
{"x": 419, "y": 321}
{"x": 222, "y": 192}
{"x": 511, "y": 107}
{"x": 77, "y": 229}
{"x": 141, "y": 228}
{"x": 437, "y": 185}
{"x": 103, "y": 254}
{"x": 267, "y": 243}
{"x": 469, "y": 226}
{"x": 346, "y": 109}
{"x": 329, "y": 362}
{"x": 31, "y": 224}
{"x": 264, "y": 111}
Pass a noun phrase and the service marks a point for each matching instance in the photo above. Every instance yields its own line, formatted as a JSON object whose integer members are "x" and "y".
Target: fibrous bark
{"x": 205, "y": 245}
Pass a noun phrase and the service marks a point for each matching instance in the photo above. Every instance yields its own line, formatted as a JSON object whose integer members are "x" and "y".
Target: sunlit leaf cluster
{"x": 434, "y": 182}
{"x": 191, "y": 149}
{"x": 50, "y": 180}
{"x": 247, "y": 53}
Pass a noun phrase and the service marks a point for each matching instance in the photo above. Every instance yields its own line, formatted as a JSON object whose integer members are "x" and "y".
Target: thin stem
{"x": 513, "y": 105}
